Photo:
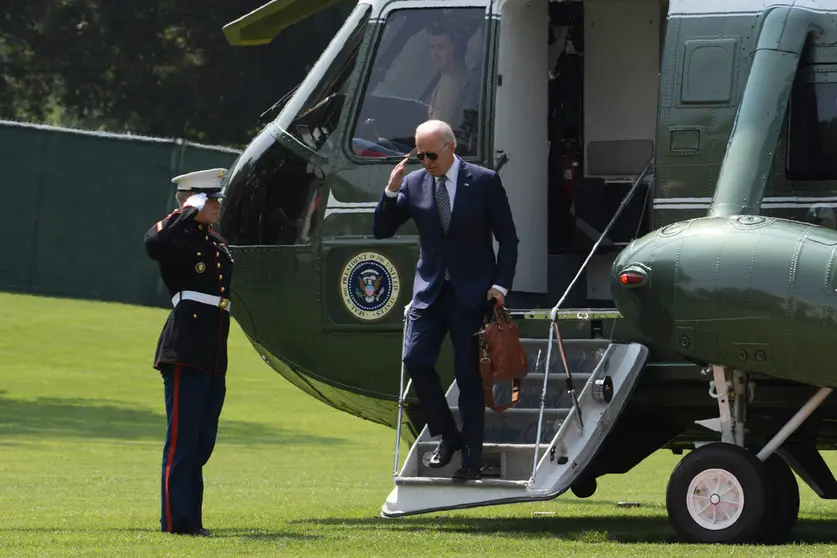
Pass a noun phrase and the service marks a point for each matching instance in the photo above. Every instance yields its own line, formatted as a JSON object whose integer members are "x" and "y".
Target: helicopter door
{"x": 520, "y": 131}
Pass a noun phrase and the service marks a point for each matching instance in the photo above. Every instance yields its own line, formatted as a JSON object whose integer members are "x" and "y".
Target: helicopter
{"x": 670, "y": 169}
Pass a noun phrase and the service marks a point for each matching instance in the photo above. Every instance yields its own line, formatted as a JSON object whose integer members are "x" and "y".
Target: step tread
{"x": 446, "y": 481}
{"x": 491, "y": 445}
{"x": 554, "y": 376}
{"x": 525, "y": 410}
{"x": 571, "y": 340}
{"x": 569, "y": 314}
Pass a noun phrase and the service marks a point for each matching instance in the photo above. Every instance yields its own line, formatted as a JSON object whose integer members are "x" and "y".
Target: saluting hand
{"x": 196, "y": 200}
{"x": 397, "y": 176}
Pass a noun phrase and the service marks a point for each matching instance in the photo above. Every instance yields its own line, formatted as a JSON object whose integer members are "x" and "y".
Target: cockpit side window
{"x": 428, "y": 65}
{"x": 314, "y": 112}
{"x": 812, "y": 130}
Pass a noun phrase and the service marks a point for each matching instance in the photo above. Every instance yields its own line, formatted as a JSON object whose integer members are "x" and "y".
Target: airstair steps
{"x": 518, "y": 426}
{"x": 451, "y": 482}
{"x": 500, "y": 461}
{"x": 531, "y": 387}
{"x": 612, "y": 371}
{"x": 582, "y": 355}
{"x": 510, "y": 436}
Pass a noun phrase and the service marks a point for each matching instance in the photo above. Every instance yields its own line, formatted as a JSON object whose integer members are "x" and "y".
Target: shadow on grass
{"x": 50, "y": 417}
{"x": 589, "y": 529}
{"x": 268, "y": 536}
{"x": 250, "y": 534}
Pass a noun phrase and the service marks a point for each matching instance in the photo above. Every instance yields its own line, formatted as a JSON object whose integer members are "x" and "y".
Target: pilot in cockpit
{"x": 448, "y": 51}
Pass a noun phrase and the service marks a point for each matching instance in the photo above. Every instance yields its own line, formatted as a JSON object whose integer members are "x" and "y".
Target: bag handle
{"x": 502, "y": 317}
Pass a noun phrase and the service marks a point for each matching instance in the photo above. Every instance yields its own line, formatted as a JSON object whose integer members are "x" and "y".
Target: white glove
{"x": 197, "y": 200}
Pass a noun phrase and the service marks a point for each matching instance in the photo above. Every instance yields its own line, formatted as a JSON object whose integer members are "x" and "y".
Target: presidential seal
{"x": 369, "y": 286}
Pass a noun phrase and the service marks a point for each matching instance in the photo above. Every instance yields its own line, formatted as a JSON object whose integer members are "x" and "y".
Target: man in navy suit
{"x": 457, "y": 208}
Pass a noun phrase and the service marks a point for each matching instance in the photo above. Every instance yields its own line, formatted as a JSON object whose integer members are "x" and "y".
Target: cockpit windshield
{"x": 428, "y": 65}
{"x": 314, "y": 111}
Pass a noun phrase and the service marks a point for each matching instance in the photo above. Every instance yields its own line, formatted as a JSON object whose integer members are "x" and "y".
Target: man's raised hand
{"x": 397, "y": 175}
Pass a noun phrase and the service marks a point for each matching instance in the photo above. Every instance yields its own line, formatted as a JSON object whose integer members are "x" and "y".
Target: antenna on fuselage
{"x": 277, "y": 104}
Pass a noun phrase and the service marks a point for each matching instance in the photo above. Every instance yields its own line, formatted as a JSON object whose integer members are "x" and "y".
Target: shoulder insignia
{"x": 159, "y": 226}
{"x": 200, "y": 267}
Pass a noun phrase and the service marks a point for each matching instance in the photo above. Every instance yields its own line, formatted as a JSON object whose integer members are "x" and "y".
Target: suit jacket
{"x": 192, "y": 257}
{"x": 480, "y": 210}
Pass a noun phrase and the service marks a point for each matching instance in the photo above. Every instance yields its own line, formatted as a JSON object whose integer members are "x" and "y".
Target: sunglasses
{"x": 429, "y": 154}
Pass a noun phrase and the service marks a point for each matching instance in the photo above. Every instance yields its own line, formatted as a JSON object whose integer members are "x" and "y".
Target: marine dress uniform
{"x": 191, "y": 355}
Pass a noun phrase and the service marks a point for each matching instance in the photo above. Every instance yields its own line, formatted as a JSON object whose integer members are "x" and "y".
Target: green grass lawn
{"x": 82, "y": 426}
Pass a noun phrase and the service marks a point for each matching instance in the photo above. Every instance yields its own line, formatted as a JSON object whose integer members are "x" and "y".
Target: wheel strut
{"x": 731, "y": 427}
{"x": 794, "y": 423}
{"x": 722, "y": 391}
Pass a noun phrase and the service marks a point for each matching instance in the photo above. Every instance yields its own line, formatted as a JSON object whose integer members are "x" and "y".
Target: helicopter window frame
{"x": 329, "y": 78}
{"x": 378, "y": 56}
{"x": 799, "y": 138}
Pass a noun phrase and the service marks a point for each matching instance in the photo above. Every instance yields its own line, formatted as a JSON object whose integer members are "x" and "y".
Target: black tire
{"x": 584, "y": 488}
{"x": 782, "y": 506}
{"x": 745, "y": 469}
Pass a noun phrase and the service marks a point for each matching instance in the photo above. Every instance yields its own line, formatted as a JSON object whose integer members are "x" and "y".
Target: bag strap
{"x": 488, "y": 388}
{"x": 485, "y": 374}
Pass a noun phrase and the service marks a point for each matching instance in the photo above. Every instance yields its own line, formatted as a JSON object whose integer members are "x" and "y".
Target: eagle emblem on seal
{"x": 370, "y": 286}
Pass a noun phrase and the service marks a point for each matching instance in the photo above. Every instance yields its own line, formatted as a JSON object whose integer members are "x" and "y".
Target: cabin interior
{"x": 568, "y": 173}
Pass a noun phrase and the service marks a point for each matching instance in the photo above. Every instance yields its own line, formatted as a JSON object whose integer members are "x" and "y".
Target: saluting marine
{"x": 196, "y": 267}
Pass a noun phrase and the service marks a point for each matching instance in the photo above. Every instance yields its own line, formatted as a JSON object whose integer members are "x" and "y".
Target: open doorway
{"x": 576, "y": 111}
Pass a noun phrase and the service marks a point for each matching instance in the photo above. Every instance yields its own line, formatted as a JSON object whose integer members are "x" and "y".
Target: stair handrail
{"x": 553, "y": 326}
{"x": 402, "y": 392}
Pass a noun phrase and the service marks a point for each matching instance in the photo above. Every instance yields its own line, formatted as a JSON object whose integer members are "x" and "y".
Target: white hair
{"x": 438, "y": 126}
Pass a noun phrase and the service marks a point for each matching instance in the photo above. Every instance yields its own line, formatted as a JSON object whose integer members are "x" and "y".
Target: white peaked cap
{"x": 207, "y": 181}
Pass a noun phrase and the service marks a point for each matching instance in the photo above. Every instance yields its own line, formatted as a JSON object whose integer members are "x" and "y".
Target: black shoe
{"x": 468, "y": 473}
{"x": 444, "y": 452}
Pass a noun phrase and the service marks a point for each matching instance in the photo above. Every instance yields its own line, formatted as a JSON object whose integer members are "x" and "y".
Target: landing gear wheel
{"x": 782, "y": 506}
{"x": 716, "y": 494}
{"x": 584, "y": 488}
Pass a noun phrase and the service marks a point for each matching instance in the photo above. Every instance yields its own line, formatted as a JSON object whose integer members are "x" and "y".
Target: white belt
{"x": 211, "y": 300}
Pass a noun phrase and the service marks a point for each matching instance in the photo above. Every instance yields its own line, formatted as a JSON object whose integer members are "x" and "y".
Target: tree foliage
{"x": 152, "y": 67}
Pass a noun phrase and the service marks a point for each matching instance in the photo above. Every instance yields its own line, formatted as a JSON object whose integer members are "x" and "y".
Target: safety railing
{"x": 402, "y": 392}
{"x": 553, "y": 324}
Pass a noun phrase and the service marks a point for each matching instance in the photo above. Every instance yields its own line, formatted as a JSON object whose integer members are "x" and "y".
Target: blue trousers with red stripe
{"x": 193, "y": 405}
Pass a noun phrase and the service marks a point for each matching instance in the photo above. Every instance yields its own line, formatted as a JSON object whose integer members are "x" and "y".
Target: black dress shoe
{"x": 444, "y": 452}
{"x": 468, "y": 473}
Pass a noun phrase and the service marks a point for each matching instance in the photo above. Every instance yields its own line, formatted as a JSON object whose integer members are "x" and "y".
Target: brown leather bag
{"x": 502, "y": 357}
